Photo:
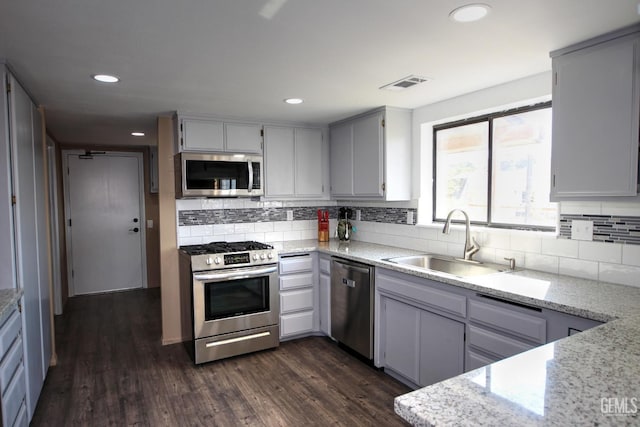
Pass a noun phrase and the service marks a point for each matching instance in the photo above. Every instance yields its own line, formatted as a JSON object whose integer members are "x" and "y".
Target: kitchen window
{"x": 496, "y": 167}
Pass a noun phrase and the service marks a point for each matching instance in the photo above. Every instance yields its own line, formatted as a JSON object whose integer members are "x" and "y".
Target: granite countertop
{"x": 8, "y": 298}
{"x": 591, "y": 378}
{"x": 595, "y": 300}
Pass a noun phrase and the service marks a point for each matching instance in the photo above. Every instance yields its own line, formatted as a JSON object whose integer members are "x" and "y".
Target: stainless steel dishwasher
{"x": 352, "y": 305}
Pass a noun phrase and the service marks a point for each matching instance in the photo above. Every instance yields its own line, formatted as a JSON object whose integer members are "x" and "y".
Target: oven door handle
{"x": 238, "y": 274}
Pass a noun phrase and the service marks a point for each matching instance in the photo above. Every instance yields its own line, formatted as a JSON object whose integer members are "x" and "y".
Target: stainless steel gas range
{"x": 229, "y": 299}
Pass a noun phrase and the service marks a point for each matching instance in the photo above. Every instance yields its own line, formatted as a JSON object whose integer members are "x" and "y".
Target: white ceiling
{"x": 234, "y": 59}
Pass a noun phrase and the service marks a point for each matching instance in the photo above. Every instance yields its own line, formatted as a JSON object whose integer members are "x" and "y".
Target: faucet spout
{"x": 470, "y": 244}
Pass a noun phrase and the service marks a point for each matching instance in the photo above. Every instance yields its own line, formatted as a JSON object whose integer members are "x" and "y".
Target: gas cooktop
{"x": 224, "y": 247}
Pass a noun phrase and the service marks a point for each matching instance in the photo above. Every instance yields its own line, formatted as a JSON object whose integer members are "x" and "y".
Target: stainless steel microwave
{"x": 218, "y": 175}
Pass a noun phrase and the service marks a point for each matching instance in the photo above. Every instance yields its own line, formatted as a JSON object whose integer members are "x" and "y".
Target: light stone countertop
{"x": 8, "y": 298}
{"x": 592, "y": 378}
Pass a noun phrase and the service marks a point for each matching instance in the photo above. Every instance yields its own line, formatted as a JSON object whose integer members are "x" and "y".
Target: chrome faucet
{"x": 470, "y": 244}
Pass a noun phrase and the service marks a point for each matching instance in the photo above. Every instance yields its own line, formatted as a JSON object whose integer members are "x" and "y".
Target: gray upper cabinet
{"x": 368, "y": 152}
{"x": 309, "y": 155}
{"x": 243, "y": 138}
{"x": 295, "y": 160}
{"x": 371, "y": 156}
{"x": 596, "y": 118}
{"x": 204, "y": 134}
{"x": 341, "y": 144}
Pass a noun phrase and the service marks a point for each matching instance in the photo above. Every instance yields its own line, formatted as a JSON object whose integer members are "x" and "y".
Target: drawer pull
{"x": 506, "y": 301}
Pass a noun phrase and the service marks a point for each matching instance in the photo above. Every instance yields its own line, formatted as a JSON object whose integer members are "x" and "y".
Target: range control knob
{"x": 209, "y": 261}
{"x": 255, "y": 257}
{"x": 217, "y": 260}
{"x": 262, "y": 256}
{"x": 270, "y": 255}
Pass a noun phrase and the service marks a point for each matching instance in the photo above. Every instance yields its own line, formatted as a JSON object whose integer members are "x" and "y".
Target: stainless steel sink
{"x": 444, "y": 264}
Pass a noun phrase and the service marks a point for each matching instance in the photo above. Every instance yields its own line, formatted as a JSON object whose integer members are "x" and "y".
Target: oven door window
{"x": 236, "y": 297}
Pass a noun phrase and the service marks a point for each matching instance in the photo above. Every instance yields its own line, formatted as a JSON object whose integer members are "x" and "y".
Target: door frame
{"x": 67, "y": 213}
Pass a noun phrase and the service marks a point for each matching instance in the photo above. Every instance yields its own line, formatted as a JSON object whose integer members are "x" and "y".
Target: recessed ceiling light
{"x": 137, "y": 133}
{"x": 293, "y": 101}
{"x": 470, "y": 12}
{"x": 105, "y": 78}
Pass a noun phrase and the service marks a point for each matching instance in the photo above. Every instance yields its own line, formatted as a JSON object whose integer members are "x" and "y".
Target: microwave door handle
{"x": 250, "y": 176}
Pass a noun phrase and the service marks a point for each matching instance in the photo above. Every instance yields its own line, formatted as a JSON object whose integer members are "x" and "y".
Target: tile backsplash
{"x": 606, "y": 228}
{"x": 206, "y": 220}
{"x": 613, "y": 255}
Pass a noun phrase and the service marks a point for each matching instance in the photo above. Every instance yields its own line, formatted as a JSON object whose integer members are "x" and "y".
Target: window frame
{"x": 489, "y": 118}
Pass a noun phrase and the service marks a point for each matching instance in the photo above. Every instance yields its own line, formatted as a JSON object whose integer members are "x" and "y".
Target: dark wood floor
{"x": 112, "y": 370}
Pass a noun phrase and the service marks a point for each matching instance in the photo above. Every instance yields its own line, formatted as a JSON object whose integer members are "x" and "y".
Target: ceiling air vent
{"x": 405, "y": 83}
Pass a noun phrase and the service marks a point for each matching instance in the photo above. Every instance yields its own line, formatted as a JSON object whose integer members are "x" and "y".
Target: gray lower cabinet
{"x": 297, "y": 295}
{"x": 441, "y": 348}
{"x": 324, "y": 293}
{"x": 421, "y": 329}
{"x": 13, "y": 386}
{"x": 420, "y": 345}
{"x": 400, "y": 338}
{"x": 497, "y": 329}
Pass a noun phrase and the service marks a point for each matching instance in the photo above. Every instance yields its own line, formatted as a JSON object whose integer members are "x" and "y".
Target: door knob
{"x": 135, "y": 219}
{"x": 135, "y": 229}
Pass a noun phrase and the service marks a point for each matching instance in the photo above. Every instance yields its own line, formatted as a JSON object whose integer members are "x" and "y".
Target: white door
{"x": 104, "y": 222}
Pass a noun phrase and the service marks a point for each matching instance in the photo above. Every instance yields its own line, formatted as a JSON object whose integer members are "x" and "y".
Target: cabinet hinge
{"x": 69, "y": 222}
{"x": 20, "y": 307}
{"x": 554, "y": 180}
{"x": 8, "y": 87}
{"x": 384, "y": 187}
{"x": 382, "y": 122}
{"x": 13, "y": 199}
{"x": 181, "y": 141}
{"x": 555, "y": 78}
{"x": 262, "y": 133}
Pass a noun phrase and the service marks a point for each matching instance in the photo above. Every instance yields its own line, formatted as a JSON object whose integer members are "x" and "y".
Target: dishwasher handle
{"x": 348, "y": 282}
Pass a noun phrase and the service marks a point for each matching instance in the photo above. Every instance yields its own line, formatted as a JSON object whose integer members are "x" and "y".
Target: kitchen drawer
{"x": 515, "y": 322}
{"x": 296, "y": 300}
{"x": 296, "y": 323}
{"x": 475, "y": 360}
{"x": 425, "y": 294}
{"x": 14, "y": 397}
{"x": 10, "y": 364}
{"x": 325, "y": 265}
{"x": 296, "y": 264}
{"x": 9, "y": 331}
{"x": 494, "y": 343}
{"x": 296, "y": 281}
